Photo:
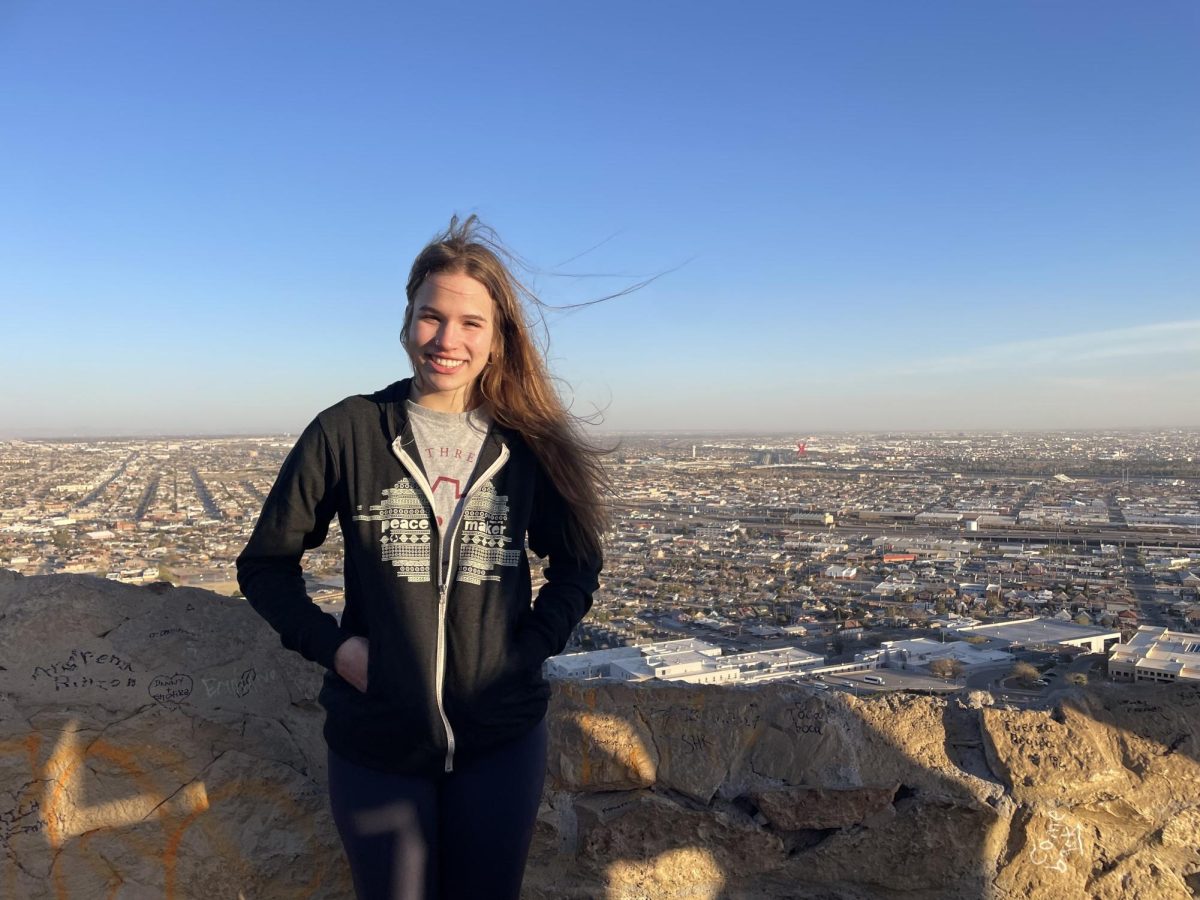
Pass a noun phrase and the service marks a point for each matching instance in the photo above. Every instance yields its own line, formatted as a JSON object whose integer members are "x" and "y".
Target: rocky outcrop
{"x": 157, "y": 742}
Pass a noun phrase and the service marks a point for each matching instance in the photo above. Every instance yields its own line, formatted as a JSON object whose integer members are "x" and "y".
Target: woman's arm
{"x": 295, "y": 518}
{"x": 572, "y": 576}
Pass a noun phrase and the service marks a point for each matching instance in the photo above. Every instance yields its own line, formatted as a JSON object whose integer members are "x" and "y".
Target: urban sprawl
{"x": 1017, "y": 563}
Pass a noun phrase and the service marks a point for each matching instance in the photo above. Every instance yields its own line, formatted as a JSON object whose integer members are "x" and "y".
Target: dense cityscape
{"x": 950, "y": 559}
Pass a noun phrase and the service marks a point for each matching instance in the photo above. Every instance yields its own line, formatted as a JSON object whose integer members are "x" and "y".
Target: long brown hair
{"x": 516, "y": 385}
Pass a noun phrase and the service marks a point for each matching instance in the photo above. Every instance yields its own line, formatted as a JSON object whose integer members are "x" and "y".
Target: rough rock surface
{"x": 796, "y": 808}
{"x": 158, "y": 742}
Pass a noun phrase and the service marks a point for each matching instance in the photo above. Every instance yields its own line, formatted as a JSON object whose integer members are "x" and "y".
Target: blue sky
{"x": 868, "y": 215}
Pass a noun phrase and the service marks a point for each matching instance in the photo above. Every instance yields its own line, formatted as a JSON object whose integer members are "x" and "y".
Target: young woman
{"x": 434, "y": 696}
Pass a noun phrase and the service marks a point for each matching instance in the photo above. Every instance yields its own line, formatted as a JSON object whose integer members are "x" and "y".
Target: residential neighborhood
{"x": 735, "y": 557}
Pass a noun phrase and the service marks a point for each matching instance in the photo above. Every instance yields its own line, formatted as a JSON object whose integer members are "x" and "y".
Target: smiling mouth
{"x": 444, "y": 363}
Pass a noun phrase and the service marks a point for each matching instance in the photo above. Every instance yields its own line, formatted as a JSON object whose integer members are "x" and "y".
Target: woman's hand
{"x": 350, "y": 661}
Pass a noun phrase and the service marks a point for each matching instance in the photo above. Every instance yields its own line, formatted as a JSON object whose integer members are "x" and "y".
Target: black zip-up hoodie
{"x": 454, "y": 665}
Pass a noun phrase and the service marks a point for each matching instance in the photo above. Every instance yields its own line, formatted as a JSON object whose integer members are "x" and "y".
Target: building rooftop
{"x": 685, "y": 660}
{"x": 1162, "y": 650}
{"x": 921, "y": 651}
{"x": 1041, "y": 630}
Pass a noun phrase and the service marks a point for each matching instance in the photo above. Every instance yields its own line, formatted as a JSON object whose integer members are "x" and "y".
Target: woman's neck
{"x": 442, "y": 401}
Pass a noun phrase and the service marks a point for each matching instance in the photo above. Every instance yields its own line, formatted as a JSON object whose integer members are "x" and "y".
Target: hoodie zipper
{"x": 445, "y": 576}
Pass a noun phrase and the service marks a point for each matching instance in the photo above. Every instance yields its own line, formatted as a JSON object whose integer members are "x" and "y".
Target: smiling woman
{"x": 449, "y": 339}
{"x": 434, "y": 696}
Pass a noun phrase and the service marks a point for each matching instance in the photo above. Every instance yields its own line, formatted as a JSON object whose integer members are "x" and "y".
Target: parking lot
{"x": 893, "y": 680}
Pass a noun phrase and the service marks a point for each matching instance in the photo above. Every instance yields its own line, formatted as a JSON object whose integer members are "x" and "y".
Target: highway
{"x": 1180, "y": 537}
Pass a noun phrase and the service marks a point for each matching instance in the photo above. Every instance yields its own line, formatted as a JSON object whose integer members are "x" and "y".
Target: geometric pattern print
{"x": 406, "y": 530}
{"x": 484, "y": 542}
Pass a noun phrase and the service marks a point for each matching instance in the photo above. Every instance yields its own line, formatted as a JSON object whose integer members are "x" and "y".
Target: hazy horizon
{"x": 783, "y": 435}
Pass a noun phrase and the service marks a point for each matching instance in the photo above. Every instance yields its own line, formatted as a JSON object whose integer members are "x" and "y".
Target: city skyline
{"x": 861, "y": 218}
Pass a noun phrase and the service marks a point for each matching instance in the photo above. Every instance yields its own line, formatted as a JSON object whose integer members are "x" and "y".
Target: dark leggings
{"x": 461, "y": 835}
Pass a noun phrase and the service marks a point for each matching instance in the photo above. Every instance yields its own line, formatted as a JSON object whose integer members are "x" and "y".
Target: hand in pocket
{"x": 350, "y": 661}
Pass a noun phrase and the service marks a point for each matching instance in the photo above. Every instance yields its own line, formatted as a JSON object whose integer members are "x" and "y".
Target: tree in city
{"x": 1024, "y": 672}
{"x": 1079, "y": 678}
{"x": 947, "y": 667}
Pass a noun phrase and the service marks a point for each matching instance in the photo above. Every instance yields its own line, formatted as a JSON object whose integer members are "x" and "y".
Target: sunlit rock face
{"x": 778, "y": 791}
{"x": 157, "y": 742}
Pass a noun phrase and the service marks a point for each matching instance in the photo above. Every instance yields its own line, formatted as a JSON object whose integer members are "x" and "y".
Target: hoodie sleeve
{"x": 295, "y": 518}
{"x": 571, "y": 578}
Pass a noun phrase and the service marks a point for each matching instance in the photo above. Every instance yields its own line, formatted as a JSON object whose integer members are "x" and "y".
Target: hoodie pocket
{"x": 527, "y": 651}
{"x": 374, "y": 678}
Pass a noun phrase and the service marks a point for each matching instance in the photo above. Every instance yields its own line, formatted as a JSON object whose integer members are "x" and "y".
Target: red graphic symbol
{"x": 449, "y": 481}
{"x": 453, "y": 481}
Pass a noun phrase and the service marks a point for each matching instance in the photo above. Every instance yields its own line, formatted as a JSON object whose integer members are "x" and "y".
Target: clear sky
{"x": 868, "y": 215}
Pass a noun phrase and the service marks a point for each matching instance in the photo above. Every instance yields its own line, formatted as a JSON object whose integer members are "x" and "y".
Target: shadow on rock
{"x": 163, "y": 744}
{"x": 665, "y": 791}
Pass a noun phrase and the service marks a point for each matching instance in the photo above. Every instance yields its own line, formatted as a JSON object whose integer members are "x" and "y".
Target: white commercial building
{"x": 1156, "y": 654}
{"x": 599, "y": 663}
{"x": 691, "y": 661}
{"x": 1040, "y": 631}
{"x": 922, "y": 651}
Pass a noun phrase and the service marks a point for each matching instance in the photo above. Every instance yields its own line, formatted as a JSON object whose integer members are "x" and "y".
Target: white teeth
{"x": 447, "y": 363}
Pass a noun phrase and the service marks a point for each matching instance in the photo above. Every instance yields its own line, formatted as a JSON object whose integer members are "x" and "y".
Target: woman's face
{"x": 450, "y": 336}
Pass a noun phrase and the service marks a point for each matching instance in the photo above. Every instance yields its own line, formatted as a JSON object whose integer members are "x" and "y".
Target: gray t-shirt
{"x": 448, "y": 444}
